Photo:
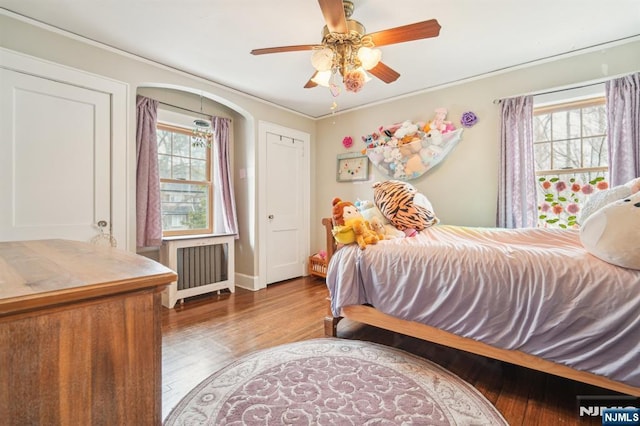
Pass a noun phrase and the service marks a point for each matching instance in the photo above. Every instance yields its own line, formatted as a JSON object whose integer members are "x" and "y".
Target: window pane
{"x": 164, "y": 166}
{"x": 541, "y": 127}
{"x": 573, "y": 123}
{"x": 566, "y": 154}
{"x": 595, "y": 152}
{"x": 198, "y": 170}
{"x": 560, "y": 123}
{"x": 594, "y": 120}
{"x": 184, "y": 206}
{"x": 198, "y": 151}
{"x": 180, "y": 168}
{"x": 164, "y": 141}
{"x": 542, "y": 154}
{"x": 181, "y": 144}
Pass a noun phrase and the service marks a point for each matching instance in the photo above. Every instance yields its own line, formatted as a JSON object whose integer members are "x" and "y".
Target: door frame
{"x": 122, "y": 196}
{"x": 265, "y": 127}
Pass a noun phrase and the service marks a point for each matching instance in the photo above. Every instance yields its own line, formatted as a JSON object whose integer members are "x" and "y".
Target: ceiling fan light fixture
{"x": 369, "y": 57}
{"x": 366, "y": 76}
{"x": 322, "y": 78}
{"x": 322, "y": 59}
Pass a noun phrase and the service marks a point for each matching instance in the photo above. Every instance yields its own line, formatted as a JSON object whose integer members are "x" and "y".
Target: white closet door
{"x": 285, "y": 208}
{"x": 55, "y": 159}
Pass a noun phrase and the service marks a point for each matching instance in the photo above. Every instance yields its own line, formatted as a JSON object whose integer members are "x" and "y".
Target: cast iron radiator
{"x": 201, "y": 265}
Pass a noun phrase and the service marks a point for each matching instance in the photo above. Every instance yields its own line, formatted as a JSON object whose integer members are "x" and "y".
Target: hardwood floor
{"x": 208, "y": 332}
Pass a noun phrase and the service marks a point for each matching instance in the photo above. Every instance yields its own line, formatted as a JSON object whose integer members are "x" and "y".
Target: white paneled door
{"x": 55, "y": 158}
{"x": 285, "y": 207}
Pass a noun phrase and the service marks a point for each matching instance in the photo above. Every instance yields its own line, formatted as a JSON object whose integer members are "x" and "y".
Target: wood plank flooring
{"x": 208, "y": 332}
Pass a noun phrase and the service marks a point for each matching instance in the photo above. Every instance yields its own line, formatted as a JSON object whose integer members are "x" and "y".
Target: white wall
{"x": 463, "y": 188}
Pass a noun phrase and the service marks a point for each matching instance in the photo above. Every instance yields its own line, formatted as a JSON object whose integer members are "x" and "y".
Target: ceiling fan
{"x": 347, "y": 49}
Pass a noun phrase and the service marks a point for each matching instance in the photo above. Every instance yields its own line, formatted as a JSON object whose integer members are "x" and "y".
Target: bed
{"x": 530, "y": 297}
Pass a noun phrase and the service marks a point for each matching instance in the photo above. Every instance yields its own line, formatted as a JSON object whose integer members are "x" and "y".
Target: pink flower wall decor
{"x": 347, "y": 142}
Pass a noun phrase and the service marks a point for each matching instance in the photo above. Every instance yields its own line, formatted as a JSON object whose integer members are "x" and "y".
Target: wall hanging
{"x": 407, "y": 150}
{"x": 352, "y": 167}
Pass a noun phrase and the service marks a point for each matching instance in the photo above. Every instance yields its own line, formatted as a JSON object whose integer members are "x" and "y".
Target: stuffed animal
{"x": 407, "y": 132}
{"x": 607, "y": 196}
{"x": 612, "y": 233}
{"x": 396, "y": 201}
{"x": 439, "y": 123}
{"x": 347, "y": 216}
{"x": 379, "y": 223}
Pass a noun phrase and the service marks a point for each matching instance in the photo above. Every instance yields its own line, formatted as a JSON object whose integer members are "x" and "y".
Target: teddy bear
{"x": 612, "y": 233}
{"x": 346, "y": 216}
{"x": 379, "y": 223}
{"x": 407, "y": 132}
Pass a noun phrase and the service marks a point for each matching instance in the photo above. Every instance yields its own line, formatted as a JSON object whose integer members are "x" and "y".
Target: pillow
{"x": 612, "y": 233}
{"x": 396, "y": 201}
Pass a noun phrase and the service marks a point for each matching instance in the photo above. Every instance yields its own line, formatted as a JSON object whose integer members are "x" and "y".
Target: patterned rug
{"x": 334, "y": 382}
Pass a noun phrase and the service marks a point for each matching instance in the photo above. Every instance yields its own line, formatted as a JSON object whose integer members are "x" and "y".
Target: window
{"x": 185, "y": 182}
{"x": 571, "y": 157}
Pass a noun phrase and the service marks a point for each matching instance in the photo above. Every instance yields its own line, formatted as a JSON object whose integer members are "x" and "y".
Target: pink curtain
{"x": 221, "y": 130}
{"x": 148, "y": 217}
{"x": 517, "y": 204}
{"x": 623, "y": 116}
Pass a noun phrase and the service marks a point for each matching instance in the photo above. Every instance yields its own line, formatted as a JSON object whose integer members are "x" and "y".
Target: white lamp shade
{"x": 322, "y": 78}
{"x": 366, "y": 76}
{"x": 369, "y": 57}
{"x": 322, "y": 59}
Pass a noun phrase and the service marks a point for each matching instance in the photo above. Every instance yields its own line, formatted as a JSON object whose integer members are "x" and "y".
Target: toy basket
{"x": 317, "y": 266}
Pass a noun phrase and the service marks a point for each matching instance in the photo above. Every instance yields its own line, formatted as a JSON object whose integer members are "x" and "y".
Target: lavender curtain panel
{"x": 623, "y": 115}
{"x": 517, "y": 204}
{"x": 148, "y": 218}
{"x": 221, "y": 131}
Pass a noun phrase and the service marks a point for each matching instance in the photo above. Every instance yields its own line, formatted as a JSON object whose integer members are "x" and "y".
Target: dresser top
{"x": 47, "y": 272}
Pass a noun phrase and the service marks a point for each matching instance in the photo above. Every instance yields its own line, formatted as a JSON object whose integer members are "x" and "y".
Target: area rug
{"x": 334, "y": 381}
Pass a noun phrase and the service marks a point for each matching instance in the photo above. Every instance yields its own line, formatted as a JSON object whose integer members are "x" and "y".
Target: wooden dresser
{"x": 80, "y": 335}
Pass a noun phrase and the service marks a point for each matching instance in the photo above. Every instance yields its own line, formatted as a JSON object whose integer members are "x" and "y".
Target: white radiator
{"x": 203, "y": 265}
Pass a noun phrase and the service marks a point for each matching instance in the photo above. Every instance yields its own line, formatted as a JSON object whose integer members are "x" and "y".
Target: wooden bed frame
{"x": 371, "y": 316}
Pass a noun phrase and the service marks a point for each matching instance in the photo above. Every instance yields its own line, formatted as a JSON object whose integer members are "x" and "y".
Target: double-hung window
{"x": 571, "y": 157}
{"x": 185, "y": 182}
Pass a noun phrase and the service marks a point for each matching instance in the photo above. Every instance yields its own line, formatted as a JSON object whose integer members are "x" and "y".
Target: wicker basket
{"x": 317, "y": 266}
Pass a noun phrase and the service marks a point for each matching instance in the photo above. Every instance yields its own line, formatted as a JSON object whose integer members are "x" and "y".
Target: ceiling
{"x": 212, "y": 39}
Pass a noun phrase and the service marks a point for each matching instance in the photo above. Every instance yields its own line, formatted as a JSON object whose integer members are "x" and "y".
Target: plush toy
{"x": 607, "y": 196}
{"x": 612, "y": 233}
{"x": 396, "y": 201}
{"x": 407, "y": 132}
{"x": 378, "y": 222}
{"x": 347, "y": 216}
{"x": 439, "y": 123}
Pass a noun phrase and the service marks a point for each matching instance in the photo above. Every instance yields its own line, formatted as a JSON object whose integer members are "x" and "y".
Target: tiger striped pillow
{"x": 395, "y": 199}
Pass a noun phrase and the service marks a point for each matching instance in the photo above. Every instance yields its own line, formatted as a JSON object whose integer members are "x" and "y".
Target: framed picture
{"x": 352, "y": 167}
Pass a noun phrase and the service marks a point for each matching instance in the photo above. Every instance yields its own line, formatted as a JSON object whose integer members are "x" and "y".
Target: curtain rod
{"x": 547, "y": 92}
{"x": 185, "y": 109}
